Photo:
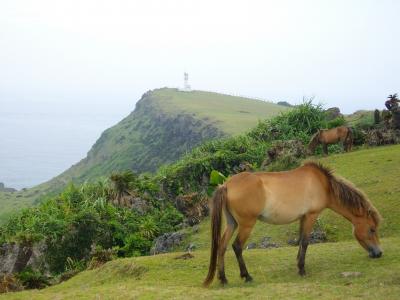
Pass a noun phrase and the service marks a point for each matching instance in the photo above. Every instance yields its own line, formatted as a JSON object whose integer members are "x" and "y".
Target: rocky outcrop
{"x": 3, "y": 188}
{"x": 383, "y": 136}
{"x": 16, "y": 257}
{"x": 265, "y": 243}
{"x": 316, "y": 236}
{"x": 284, "y": 103}
{"x": 333, "y": 113}
{"x": 193, "y": 206}
{"x": 284, "y": 150}
{"x": 166, "y": 242}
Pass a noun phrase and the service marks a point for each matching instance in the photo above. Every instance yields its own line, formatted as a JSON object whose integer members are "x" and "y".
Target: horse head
{"x": 365, "y": 230}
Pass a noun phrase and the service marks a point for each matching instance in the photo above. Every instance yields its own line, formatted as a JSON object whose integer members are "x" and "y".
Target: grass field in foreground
{"x": 274, "y": 272}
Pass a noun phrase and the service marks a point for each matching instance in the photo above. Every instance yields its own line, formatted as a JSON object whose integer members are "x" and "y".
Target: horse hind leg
{"x": 325, "y": 148}
{"x": 229, "y": 230}
{"x": 349, "y": 143}
{"x": 241, "y": 238}
{"x": 306, "y": 225}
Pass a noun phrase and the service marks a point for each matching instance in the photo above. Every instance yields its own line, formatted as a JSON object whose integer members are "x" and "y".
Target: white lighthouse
{"x": 186, "y": 86}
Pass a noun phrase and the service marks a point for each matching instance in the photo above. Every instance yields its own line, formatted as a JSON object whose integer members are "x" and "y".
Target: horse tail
{"x": 218, "y": 203}
{"x": 314, "y": 142}
{"x": 349, "y": 138}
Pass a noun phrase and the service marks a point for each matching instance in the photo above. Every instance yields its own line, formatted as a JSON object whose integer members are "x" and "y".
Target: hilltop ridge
{"x": 165, "y": 124}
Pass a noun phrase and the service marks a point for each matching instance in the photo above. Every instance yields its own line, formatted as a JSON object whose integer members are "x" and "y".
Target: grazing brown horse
{"x": 332, "y": 136}
{"x": 282, "y": 198}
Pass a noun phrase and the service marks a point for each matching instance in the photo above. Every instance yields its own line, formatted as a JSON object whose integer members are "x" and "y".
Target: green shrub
{"x": 32, "y": 279}
{"x": 366, "y": 122}
{"x": 286, "y": 162}
{"x": 339, "y": 121}
{"x": 136, "y": 245}
{"x": 297, "y": 123}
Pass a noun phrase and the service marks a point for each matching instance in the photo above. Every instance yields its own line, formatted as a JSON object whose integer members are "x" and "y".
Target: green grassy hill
{"x": 374, "y": 170}
{"x": 230, "y": 114}
{"x": 165, "y": 124}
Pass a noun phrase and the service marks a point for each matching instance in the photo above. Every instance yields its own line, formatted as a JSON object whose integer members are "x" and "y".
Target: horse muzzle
{"x": 374, "y": 252}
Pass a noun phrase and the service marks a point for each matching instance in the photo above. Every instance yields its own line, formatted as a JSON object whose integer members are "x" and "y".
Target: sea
{"x": 41, "y": 140}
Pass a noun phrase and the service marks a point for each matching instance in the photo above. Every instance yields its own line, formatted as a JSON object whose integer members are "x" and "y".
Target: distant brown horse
{"x": 332, "y": 136}
{"x": 282, "y": 198}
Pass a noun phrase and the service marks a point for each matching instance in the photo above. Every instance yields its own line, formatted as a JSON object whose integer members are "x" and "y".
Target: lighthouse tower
{"x": 186, "y": 86}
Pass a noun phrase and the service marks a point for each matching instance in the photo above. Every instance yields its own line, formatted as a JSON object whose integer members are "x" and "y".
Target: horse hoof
{"x": 224, "y": 282}
{"x": 302, "y": 273}
{"x": 249, "y": 278}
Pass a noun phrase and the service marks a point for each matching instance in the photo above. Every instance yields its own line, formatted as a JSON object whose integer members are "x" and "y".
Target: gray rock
{"x": 15, "y": 257}
{"x": 293, "y": 242}
{"x": 191, "y": 247}
{"x": 350, "y": 274}
{"x": 8, "y": 257}
{"x": 166, "y": 242}
{"x": 251, "y": 246}
{"x": 195, "y": 229}
{"x": 317, "y": 236}
{"x": 140, "y": 205}
{"x": 267, "y": 243}
{"x": 332, "y": 113}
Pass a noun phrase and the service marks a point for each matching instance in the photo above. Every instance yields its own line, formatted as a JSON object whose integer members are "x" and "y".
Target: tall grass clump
{"x": 298, "y": 123}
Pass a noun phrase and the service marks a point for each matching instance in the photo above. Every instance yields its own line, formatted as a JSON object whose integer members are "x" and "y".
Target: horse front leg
{"x": 306, "y": 225}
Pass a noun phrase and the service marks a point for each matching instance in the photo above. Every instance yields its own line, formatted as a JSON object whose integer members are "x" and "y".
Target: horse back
{"x": 334, "y": 135}
{"x": 277, "y": 197}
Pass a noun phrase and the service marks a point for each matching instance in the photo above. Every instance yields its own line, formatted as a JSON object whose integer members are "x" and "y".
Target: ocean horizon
{"x": 41, "y": 141}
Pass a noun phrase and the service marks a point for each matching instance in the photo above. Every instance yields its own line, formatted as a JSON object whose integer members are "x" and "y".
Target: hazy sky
{"x": 345, "y": 53}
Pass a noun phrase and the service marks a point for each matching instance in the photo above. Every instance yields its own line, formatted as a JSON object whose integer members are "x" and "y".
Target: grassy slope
{"x": 374, "y": 170}
{"x": 274, "y": 270}
{"x": 274, "y": 273}
{"x": 154, "y": 134}
{"x": 360, "y": 117}
{"x": 233, "y": 114}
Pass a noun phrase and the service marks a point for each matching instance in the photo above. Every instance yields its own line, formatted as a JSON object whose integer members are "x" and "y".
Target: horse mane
{"x": 314, "y": 141}
{"x": 347, "y": 194}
